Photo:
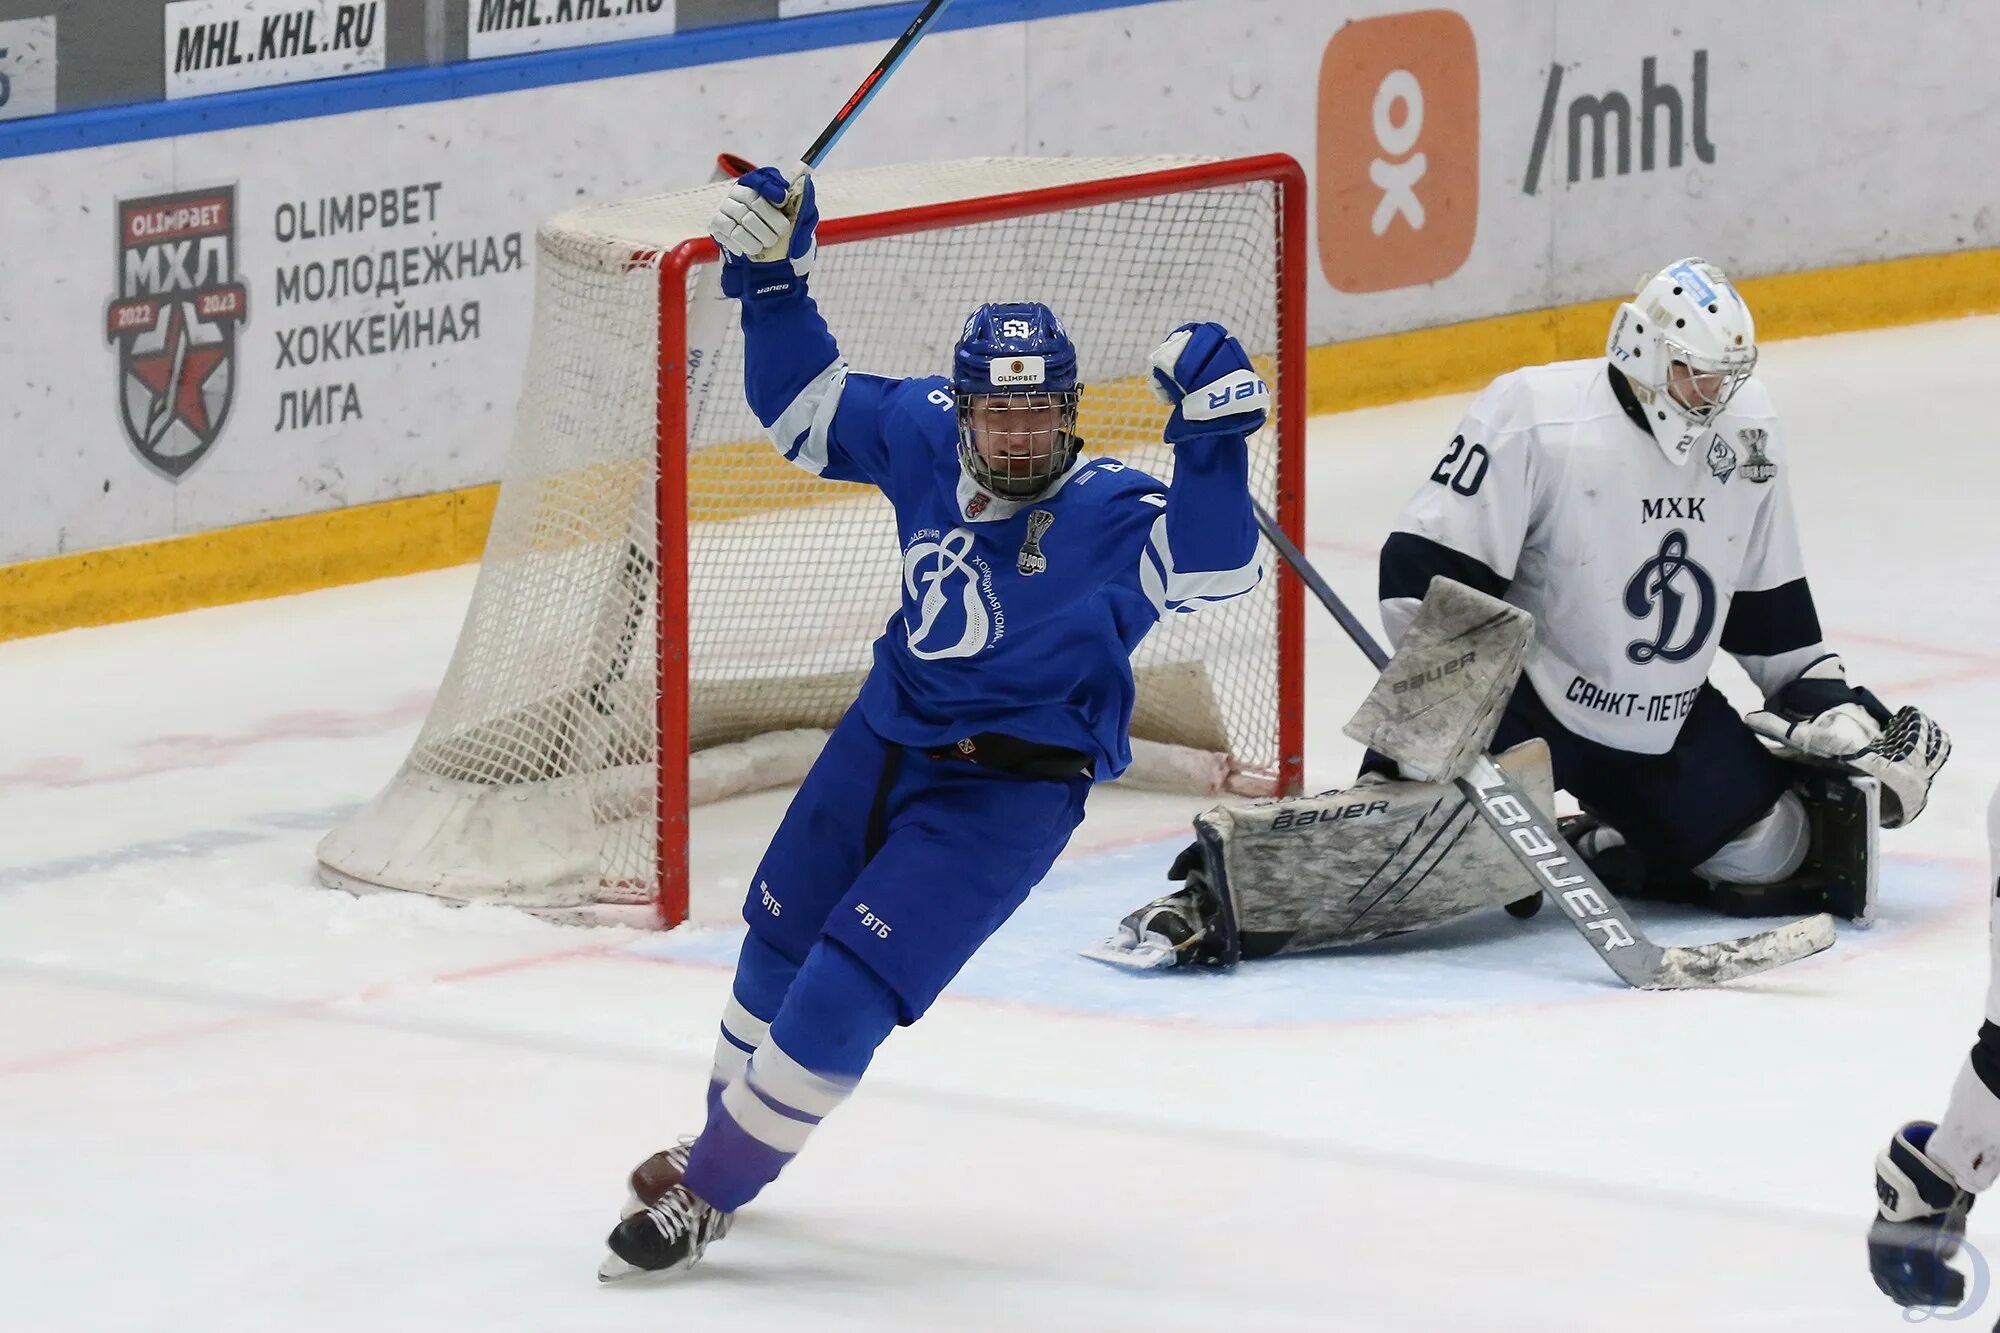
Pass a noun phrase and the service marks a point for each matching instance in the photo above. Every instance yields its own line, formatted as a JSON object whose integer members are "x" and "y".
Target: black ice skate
{"x": 664, "y": 1227}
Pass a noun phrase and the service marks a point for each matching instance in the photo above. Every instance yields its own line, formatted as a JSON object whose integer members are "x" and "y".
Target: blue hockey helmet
{"x": 1013, "y": 374}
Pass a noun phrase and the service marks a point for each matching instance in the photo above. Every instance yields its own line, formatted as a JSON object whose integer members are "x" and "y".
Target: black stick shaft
{"x": 1328, "y": 598}
{"x": 870, "y": 85}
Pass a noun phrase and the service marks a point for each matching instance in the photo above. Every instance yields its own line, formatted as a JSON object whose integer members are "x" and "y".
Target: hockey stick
{"x": 1531, "y": 837}
{"x": 708, "y": 323}
{"x": 707, "y": 315}
{"x": 871, "y": 85}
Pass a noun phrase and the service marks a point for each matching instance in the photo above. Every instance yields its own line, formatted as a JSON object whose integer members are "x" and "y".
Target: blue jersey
{"x": 1017, "y": 616}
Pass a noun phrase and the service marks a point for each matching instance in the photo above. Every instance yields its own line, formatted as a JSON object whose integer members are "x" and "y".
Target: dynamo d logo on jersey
{"x": 1659, "y": 586}
{"x": 1721, "y": 459}
{"x": 174, "y": 321}
{"x": 949, "y": 608}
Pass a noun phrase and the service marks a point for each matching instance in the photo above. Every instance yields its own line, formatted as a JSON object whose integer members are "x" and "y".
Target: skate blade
{"x": 614, "y": 1271}
{"x": 1148, "y": 955}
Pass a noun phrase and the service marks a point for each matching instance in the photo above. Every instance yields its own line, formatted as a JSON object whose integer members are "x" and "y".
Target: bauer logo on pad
{"x": 1019, "y": 370}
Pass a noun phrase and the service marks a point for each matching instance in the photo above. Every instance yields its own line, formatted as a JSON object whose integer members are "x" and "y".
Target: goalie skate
{"x": 1166, "y": 932}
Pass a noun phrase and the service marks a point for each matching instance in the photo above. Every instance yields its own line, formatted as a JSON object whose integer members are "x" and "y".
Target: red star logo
{"x": 182, "y": 399}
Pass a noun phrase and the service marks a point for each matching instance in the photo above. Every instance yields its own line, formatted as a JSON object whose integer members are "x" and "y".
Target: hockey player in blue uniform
{"x": 1001, "y": 688}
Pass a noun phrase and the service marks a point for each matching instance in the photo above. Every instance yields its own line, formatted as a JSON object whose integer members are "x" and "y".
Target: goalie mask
{"x": 1013, "y": 375}
{"x": 1687, "y": 344}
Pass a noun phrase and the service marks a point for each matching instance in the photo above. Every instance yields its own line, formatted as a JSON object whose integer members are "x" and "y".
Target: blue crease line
{"x": 181, "y": 846}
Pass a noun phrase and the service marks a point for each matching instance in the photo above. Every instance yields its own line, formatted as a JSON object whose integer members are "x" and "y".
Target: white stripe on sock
{"x": 760, "y": 1122}
{"x": 730, "y": 1061}
{"x": 743, "y": 1025}
{"x": 784, "y": 1079}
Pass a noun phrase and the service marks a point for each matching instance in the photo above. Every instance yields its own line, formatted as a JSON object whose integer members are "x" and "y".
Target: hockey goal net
{"x": 667, "y": 612}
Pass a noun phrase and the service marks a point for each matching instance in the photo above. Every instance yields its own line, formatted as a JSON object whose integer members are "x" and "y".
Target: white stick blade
{"x": 1696, "y": 966}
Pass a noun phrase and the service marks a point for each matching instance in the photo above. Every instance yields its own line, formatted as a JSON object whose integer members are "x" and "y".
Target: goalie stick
{"x": 1530, "y": 835}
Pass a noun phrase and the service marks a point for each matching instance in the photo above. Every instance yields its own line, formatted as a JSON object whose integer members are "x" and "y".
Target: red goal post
{"x": 529, "y": 782}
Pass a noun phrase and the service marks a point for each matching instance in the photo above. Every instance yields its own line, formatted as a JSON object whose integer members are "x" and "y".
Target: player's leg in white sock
{"x": 835, "y": 1015}
{"x": 763, "y": 975}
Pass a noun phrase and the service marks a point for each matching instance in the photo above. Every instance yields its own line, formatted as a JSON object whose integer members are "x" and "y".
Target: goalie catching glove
{"x": 1820, "y": 716}
{"x": 766, "y": 228}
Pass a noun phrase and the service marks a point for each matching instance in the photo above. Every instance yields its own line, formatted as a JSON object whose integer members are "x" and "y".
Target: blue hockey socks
{"x": 835, "y": 1014}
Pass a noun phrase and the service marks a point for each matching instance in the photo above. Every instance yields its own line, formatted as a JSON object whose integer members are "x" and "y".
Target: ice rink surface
{"x": 231, "y": 1100}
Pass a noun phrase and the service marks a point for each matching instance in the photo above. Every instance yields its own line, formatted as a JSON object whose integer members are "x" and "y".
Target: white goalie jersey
{"x": 1636, "y": 570}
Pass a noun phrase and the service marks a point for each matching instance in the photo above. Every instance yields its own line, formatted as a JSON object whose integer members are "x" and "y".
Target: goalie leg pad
{"x": 1837, "y": 874}
{"x": 1845, "y": 812}
{"x": 1381, "y": 858}
{"x": 1769, "y": 851}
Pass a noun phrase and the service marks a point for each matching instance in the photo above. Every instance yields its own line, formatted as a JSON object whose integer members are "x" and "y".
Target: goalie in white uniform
{"x": 1638, "y": 506}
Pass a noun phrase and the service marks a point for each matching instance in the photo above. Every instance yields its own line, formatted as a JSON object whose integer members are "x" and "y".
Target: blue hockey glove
{"x": 1919, "y": 1226}
{"x": 1206, "y": 377}
{"x": 766, "y": 234}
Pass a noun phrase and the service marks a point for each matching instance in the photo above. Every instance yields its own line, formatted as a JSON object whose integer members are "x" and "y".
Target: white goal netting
{"x": 536, "y": 778}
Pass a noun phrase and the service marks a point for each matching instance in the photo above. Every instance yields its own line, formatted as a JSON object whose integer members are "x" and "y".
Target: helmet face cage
{"x": 1015, "y": 387}
{"x": 1729, "y": 376}
{"x": 1017, "y": 459}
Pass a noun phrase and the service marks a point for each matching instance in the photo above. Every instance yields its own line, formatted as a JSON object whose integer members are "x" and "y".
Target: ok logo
{"x": 1398, "y": 153}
